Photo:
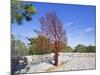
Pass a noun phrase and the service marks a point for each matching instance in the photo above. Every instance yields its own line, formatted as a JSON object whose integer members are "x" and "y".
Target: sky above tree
{"x": 79, "y": 21}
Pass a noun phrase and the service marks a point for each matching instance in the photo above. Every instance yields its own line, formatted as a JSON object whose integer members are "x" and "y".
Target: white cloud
{"x": 69, "y": 34}
{"x": 89, "y": 29}
{"x": 69, "y": 24}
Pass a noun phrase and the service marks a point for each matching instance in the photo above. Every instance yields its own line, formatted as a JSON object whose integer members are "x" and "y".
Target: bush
{"x": 91, "y": 48}
{"x": 40, "y": 45}
{"x": 80, "y": 48}
{"x": 67, "y": 49}
{"x": 85, "y": 49}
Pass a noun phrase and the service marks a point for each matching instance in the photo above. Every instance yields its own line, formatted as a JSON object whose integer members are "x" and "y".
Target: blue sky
{"x": 79, "y": 21}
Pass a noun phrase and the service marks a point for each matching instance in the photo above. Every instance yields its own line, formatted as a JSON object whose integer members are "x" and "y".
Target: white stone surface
{"x": 75, "y": 61}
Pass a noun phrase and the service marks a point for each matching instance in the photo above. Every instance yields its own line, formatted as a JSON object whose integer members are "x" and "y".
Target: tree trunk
{"x": 56, "y": 59}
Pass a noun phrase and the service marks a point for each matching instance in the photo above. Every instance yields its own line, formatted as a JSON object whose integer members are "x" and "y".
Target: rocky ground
{"x": 67, "y": 62}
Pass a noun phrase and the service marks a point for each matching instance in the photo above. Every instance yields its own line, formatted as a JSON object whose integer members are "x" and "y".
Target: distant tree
{"x": 40, "y": 45}
{"x": 91, "y": 48}
{"x": 68, "y": 49}
{"x": 80, "y": 48}
{"x": 13, "y": 52}
{"x": 52, "y": 28}
{"x": 85, "y": 49}
{"x": 22, "y": 48}
{"x": 18, "y": 48}
{"x": 21, "y": 10}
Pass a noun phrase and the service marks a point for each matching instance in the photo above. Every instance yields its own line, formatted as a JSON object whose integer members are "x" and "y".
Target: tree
{"x": 18, "y": 48}
{"x": 68, "y": 49}
{"x": 13, "y": 52}
{"x": 85, "y": 49}
{"x": 22, "y": 48}
{"x": 91, "y": 48}
{"x": 80, "y": 48}
{"x": 21, "y": 10}
{"x": 40, "y": 45}
{"x": 52, "y": 28}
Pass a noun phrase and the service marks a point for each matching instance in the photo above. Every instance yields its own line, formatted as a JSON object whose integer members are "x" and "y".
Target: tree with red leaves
{"x": 52, "y": 28}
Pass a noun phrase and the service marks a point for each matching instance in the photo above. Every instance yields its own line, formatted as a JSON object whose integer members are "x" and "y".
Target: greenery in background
{"x": 85, "y": 49}
{"x": 21, "y": 11}
{"x": 80, "y": 48}
{"x": 68, "y": 49}
{"x": 37, "y": 47}
{"x": 18, "y": 48}
{"x": 40, "y": 45}
{"x": 91, "y": 48}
